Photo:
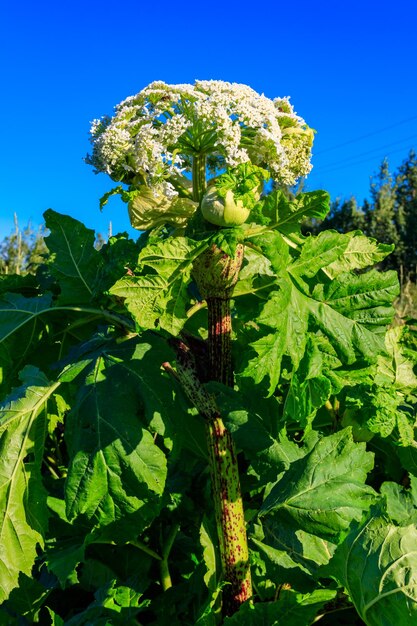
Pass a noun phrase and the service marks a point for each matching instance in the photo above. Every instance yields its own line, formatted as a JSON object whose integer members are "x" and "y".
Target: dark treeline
{"x": 389, "y": 215}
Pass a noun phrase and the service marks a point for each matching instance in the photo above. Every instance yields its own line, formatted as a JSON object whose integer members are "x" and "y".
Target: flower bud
{"x": 223, "y": 211}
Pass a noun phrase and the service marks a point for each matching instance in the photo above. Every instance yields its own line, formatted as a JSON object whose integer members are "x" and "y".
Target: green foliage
{"x": 23, "y": 518}
{"x": 390, "y": 215}
{"x": 324, "y": 491}
{"x": 377, "y": 565}
{"x": 292, "y": 608}
{"x": 76, "y": 263}
{"x": 105, "y": 498}
{"x": 351, "y": 310}
{"x": 157, "y": 295}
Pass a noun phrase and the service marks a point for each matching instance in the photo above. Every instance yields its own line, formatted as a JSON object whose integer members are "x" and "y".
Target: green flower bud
{"x": 223, "y": 211}
{"x": 230, "y": 199}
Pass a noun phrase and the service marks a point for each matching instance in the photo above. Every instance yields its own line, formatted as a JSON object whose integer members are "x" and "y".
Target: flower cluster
{"x": 154, "y": 135}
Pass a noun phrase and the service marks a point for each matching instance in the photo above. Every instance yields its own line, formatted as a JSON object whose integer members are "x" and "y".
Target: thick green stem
{"x": 199, "y": 176}
{"x": 216, "y": 274}
{"x": 219, "y": 340}
{"x": 230, "y": 518}
{"x": 227, "y": 498}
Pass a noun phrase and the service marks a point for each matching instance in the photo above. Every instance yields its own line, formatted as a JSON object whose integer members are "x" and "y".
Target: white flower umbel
{"x": 154, "y": 135}
{"x": 163, "y": 142}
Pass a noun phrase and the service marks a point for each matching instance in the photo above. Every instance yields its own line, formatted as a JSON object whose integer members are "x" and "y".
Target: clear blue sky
{"x": 350, "y": 68}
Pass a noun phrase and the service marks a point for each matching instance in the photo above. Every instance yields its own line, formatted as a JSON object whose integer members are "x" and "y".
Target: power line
{"x": 360, "y": 154}
{"x": 341, "y": 167}
{"x": 375, "y": 132}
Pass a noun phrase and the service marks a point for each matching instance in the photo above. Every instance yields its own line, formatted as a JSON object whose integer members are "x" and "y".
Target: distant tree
{"x": 406, "y": 212}
{"x": 344, "y": 216}
{"x": 381, "y": 215}
{"x": 390, "y": 215}
{"x": 22, "y": 251}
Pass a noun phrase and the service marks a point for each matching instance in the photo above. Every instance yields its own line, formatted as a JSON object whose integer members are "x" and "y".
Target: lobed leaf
{"x": 16, "y": 311}
{"x": 116, "y": 470}
{"x": 286, "y": 214}
{"x": 75, "y": 262}
{"x": 351, "y": 312}
{"x": 360, "y": 252}
{"x": 319, "y": 252}
{"x": 23, "y": 517}
{"x": 377, "y": 564}
{"x": 160, "y": 295}
{"x": 323, "y": 492}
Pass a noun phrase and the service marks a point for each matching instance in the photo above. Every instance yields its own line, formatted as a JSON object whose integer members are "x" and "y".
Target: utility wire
{"x": 341, "y": 167}
{"x": 360, "y": 154}
{"x": 375, "y": 132}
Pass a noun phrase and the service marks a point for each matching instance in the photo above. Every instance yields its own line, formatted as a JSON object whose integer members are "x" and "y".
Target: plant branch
{"x": 144, "y": 548}
{"x": 166, "y": 581}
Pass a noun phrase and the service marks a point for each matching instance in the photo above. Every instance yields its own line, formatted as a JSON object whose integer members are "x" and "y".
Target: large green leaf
{"x": 292, "y": 609}
{"x": 361, "y": 252}
{"x": 161, "y": 409}
{"x": 286, "y": 214}
{"x": 75, "y": 262}
{"x": 290, "y": 555}
{"x": 319, "y": 252}
{"x": 285, "y": 314}
{"x": 310, "y": 386}
{"x": 339, "y": 253}
{"x": 21, "y": 330}
{"x": 384, "y": 404}
{"x": 30, "y": 328}
{"x": 116, "y": 470}
{"x": 351, "y": 310}
{"x": 159, "y": 295}
{"x": 377, "y": 564}
{"x": 397, "y": 366}
{"x": 23, "y": 517}
{"x": 325, "y": 491}
{"x": 16, "y": 311}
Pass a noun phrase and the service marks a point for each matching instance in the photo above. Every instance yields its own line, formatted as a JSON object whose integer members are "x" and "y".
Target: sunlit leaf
{"x": 23, "y": 513}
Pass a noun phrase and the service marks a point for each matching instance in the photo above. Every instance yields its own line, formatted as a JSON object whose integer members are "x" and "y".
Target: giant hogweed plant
{"x": 214, "y": 424}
